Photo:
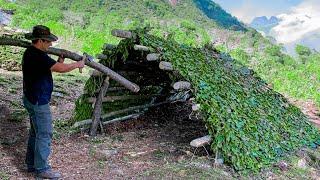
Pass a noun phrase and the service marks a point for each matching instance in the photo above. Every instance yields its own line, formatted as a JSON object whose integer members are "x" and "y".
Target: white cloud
{"x": 249, "y": 10}
{"x": 300, "y": 21}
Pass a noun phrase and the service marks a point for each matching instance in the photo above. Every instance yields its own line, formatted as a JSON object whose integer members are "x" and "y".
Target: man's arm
{"x": 62, "y": 68}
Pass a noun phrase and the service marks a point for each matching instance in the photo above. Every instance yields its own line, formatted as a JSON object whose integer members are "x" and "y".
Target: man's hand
{"x": 61, "y": 59}
{"x": 81, "y": 63}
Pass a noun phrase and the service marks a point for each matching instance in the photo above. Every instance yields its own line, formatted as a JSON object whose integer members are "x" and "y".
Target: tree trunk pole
{"x": 76, "y": 57}
{"x": 98, "y": 107}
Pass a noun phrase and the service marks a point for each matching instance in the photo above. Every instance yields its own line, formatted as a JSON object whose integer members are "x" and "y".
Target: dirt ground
{"x": 154, "y": 146}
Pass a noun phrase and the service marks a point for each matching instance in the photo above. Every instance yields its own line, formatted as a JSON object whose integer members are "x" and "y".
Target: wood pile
{"x": 142, "y": 65}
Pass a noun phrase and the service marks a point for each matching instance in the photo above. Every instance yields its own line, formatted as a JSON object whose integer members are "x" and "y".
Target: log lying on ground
{"x": 141, "y": 48}
{"x": 182, "y": 85}
{"x": 110, "y": 89}
{"x": 76, "y": 57}
{"x": 153, "y": 57}
{"x": 167, "y": 66}
{"x": 121, "y": 98}
{"x": 199, "y": 142}
{"x": 98, "y": 107}
{"x": 131, "y": 116}
{"x": 122, "y": 111}
{"x": 123, "y": 34}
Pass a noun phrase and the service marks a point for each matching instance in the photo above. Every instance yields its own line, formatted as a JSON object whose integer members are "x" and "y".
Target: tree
{"x": 303, "y": 52}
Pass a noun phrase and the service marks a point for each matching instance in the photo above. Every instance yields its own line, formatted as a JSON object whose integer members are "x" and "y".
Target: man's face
{"x": 45, "y": 44}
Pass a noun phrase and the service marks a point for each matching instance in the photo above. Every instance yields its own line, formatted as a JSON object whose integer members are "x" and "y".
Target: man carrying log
{"x": 37, "y": 68}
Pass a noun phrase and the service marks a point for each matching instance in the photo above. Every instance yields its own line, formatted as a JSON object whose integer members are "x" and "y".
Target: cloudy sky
{"x": 246, "y": 10}
{"x": 300, "y": 19}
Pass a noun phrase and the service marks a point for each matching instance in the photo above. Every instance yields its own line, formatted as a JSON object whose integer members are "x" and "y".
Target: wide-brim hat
{"x": 41, "y": 32}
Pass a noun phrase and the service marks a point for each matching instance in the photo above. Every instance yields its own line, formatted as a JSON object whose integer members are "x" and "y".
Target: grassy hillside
{"x": 86, "y": 26}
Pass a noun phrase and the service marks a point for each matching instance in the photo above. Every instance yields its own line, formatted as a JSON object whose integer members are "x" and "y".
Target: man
{"x": 37, "y": 88}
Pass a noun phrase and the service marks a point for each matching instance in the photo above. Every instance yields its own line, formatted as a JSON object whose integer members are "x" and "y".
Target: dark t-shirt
{"x": 37, "y": 77}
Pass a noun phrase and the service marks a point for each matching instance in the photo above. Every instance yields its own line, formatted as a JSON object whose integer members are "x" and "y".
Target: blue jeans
{"x": 40, "y": 136}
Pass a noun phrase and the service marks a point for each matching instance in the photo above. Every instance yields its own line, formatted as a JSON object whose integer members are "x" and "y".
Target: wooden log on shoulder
{"x": 123, "y": 34}
{"x": 141, "y": 48}
{"x": 76, "y": 57}
{"x": 199, "y": 142}
{"x": 167, "y": 66}
{"x": 153, "y": 57}
{"x": 182, "y": 85}
{"x": 97, "y": 107}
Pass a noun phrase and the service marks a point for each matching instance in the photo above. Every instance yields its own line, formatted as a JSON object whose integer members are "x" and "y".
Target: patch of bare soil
{"x": 310, "y": 109}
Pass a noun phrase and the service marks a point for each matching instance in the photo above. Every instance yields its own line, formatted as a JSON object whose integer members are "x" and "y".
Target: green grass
{"x": 185, "y": 170}
{"x": 4, "y": 176}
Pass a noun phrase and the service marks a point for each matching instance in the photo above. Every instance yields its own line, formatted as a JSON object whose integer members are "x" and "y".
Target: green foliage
{"x": 240, "y": 55}
{"x": 303, "y": 52}
{"x": 251, "y": 125}
{"x": 7, "y": 5}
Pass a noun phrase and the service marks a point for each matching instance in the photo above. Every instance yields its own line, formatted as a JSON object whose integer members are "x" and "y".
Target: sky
{"x": 300, "y": 19}
{"x": 246, "y": 10}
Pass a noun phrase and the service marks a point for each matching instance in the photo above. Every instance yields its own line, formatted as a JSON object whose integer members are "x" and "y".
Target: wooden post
{"x": 76, "y": 57}
{"x": 98, "y": 107}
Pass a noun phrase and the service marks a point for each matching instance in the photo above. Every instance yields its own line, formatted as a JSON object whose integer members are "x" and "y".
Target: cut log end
{"x": 195, "y": 107}
{"x": 141, "y": 48}
{"x": 199, "y": 142}
{"x": 167, "y": 66}
{"x": 182, "y": 85}
{"x": 153, "y": 57}
{"x": 122, "y": 34}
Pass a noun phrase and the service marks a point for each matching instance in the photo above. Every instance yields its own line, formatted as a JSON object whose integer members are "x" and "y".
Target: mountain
{"x": 264, "y": 24}
{"x": 215, "y": 12}
{"x": 296, "y": 27}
